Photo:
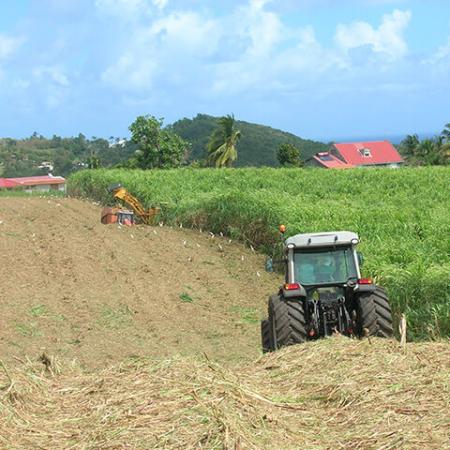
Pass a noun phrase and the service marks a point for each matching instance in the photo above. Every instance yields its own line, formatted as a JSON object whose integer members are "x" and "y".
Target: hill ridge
{"x": 257, "y": 147}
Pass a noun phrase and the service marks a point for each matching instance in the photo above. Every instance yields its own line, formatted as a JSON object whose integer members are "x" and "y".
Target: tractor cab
{"x": 324, "y": 293}
{"x": 322, "y": 258}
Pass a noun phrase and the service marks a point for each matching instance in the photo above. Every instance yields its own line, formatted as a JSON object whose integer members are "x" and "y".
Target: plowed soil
{"x": 76, "y": 289}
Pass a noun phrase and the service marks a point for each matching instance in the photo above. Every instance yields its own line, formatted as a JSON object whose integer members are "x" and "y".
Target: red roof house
{"x": 358, "y": 154}
{"x": 39, "y": 183}
{"x": 7, "y": 183}
{"x": 329, "y": 161}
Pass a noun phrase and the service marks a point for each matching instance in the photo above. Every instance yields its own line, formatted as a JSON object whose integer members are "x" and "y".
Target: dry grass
{"x": 334, "y": 393}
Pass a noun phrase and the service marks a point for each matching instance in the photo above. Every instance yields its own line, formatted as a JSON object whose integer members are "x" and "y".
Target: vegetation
{"x": 446, "y": 132}
{"x": 434, "y": 151}
{"x": 187, "y": 141}
{"x": 24, "y": 157}
{"x": 403, "y": 222}
{"x": 222, "y": 143}
{"x": 257, "y": 146}
{"x": 288, "y": 155}
{"x": 157, "y": 147}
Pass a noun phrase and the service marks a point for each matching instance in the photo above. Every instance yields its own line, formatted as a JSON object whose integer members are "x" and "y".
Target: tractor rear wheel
{"x": 287, "y": 322}
{"x": 373, "y": 312}
{"x": 266, "y": 336}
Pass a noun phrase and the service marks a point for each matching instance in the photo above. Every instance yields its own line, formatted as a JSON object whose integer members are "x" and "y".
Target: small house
{"x": 358, "y": 154}
{"x": 35, "y": 184}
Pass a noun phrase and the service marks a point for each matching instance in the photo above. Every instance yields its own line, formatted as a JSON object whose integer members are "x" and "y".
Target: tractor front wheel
{"x": 373, "y": 312}
{"x": 287, "y": 322}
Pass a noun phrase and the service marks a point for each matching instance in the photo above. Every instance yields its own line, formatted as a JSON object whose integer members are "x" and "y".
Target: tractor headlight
{"x": 354, "y": 241}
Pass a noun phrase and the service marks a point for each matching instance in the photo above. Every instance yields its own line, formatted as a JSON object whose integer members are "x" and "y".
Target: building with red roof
{"x": 358, "y": 154}
{"x": 39, "y": 183}
{"x": 7, "y": 183}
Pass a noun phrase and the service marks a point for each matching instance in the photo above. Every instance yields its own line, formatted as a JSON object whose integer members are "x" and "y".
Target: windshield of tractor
{"x": 324, "y": 266}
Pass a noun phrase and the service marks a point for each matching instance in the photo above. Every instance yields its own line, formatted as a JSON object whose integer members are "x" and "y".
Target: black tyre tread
{"x": 266, "y": 336}
{"x": 297, "y": 322}
{"x": 374, "y": 314}
{"x": 383, "y": 310}
{"x": 288, "y": 321}
{"x": 282, "y": 324}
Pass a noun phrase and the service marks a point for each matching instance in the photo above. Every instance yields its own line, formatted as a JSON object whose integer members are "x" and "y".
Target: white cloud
{"x": 131, "y": 71}
{"x": 129, "y": 9}
{"x": 125, "y": 9}
{"x": 8, "y": 45}
{"x": 251, "y": 49}
{"x": 386, "y": 39}
{"x": 260, "y": 32}
{"x": 186, "y": 32}
{"x": 51, "y": 74}
{"x": 263, "y": 28}
{"x": 284, "y": 58}
{"x": 442, "y": 55}
{"x": 164, "y": 48}
{"x": 308, "y": 56}
{"x": 161, "y": 4}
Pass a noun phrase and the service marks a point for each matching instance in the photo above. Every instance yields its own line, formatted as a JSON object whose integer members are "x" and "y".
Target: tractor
{"x": 126, "y": 217}
{"x": 324, "y": 293}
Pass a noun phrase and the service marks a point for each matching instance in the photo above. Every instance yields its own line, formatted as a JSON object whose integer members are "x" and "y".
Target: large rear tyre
{"x": 287, "y": 322}
{"x": 266, "y": 336}
{"x": 373, "y": 312}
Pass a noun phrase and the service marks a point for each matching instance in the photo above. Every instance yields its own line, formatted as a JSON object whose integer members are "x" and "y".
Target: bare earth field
{"x": 148, "y": 338}
{"x": 75, "y": 288}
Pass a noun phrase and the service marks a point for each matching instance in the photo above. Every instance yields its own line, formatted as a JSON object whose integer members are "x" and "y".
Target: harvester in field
{"x": 124, "y": 216}
{"x": 324, "y": 293}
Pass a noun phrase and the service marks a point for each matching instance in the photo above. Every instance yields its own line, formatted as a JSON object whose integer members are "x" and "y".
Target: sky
{"x": 321, "y": 69}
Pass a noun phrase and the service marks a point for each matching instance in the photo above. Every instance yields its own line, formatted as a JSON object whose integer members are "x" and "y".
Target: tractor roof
{"x": 326, "y": 239}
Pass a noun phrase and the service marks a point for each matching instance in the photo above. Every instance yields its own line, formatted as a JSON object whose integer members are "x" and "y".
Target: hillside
{"x": 102, "y": 294}
{"x": 257, "y": 147}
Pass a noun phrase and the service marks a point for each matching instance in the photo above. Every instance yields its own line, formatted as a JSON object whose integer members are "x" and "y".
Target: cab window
{"x": 321, "y": 267}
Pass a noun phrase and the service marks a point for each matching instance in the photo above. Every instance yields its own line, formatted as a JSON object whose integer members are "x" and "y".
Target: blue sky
{"x": 318, "y": 68}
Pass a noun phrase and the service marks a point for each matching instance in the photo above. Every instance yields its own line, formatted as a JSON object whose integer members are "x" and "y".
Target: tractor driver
{"x": 329, "y": 268}
{"x": 317, "y": 268}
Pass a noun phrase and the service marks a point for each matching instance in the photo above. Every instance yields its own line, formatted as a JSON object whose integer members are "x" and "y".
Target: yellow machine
{"x": 120, "y": 193}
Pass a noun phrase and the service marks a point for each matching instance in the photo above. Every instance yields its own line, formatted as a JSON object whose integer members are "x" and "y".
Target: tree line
{"x": 154, "y": 146}
{"x": 427, "y": 152}
{"x": 163, "y": 148}
{"x": 62, "y": 156}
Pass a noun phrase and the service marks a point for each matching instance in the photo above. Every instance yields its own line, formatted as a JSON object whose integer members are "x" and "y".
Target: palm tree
{"x": 408, "y": 148}
{"x": 446, "y": 133}
{"x": 409, "y": 144}
{"x": 222, "y": 143}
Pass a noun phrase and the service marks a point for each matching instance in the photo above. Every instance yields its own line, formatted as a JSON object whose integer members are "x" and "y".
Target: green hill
{"x": 257, "y": 147}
